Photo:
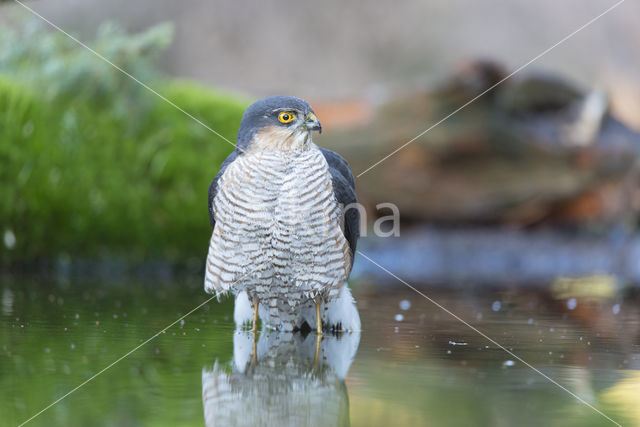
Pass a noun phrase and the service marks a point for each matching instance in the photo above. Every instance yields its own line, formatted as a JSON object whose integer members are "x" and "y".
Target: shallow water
{"x": 413, "y": 364}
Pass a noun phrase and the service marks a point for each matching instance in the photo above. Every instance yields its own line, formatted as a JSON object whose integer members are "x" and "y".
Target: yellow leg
{"x": 318, "y": 319}
{"x": 255, "y": 316}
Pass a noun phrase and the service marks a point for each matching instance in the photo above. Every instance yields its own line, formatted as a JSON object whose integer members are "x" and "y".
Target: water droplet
{"x": 405, "y": 304}
{"x": 496, "y": 306}
{"x": 616, "y": 309}
{"x": 507, "y": 363}
{"x": 399, "y": 317}
{"x": 9, "y": 239}
{"x": 572, "y": 303}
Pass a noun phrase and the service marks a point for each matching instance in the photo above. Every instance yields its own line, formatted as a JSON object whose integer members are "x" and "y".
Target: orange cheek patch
{"x": 272, "y": 138}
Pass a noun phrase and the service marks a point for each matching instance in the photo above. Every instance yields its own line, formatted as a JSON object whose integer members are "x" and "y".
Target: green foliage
{"x": 61, "y": 69}
{"x": 93, "y": 164}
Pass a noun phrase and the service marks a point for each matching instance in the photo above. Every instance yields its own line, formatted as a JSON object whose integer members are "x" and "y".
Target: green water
{"x": 414, "y": 363}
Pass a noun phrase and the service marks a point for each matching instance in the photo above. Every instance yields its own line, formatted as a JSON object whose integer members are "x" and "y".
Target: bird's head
{"x": 277, "y": 123}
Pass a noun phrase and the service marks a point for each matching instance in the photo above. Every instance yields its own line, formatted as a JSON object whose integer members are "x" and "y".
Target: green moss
{"x": 110, "y": 171}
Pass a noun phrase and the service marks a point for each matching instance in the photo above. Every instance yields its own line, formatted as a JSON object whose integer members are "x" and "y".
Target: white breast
{"x": 277, "y": 232}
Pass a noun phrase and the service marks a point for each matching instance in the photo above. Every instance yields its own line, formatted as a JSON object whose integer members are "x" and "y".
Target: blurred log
{"x": 463, "y": 257}
{"x": 533, "y": 150}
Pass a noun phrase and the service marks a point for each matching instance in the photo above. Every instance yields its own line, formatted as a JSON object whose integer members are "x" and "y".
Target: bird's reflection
{"x": 285, "y": 379}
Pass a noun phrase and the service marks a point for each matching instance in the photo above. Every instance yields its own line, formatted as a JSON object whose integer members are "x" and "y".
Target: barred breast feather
{"x": 278, "y": 230}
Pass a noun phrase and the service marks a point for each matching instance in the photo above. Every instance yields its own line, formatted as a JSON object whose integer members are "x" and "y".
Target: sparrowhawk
{"x": 285, "y": 223}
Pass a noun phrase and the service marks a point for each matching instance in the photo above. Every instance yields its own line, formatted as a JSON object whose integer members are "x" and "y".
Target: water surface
{"x": 413, "y": 364}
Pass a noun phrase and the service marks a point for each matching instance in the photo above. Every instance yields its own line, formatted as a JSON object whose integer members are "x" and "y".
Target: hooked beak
{"x": 312, "y": 123}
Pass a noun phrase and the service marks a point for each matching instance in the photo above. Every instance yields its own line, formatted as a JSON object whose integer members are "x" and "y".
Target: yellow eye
{"x": 286, "y": 117}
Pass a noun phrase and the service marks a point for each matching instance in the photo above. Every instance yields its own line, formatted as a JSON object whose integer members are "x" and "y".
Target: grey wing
{"x": 345, "y": 192}
{"x": 213, "y": 188}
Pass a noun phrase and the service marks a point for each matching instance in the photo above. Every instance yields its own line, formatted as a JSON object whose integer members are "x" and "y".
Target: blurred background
{"x": 521, "y": 210}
